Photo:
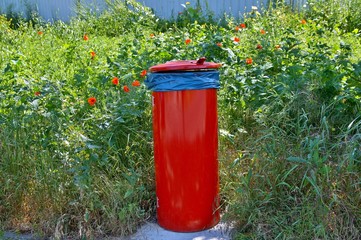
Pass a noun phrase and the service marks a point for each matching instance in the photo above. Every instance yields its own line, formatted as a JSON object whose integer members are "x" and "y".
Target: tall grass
{"x": 297, "y": 184}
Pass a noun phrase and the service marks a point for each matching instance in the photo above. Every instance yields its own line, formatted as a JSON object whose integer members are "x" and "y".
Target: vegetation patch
{"x": 75, "y": 119}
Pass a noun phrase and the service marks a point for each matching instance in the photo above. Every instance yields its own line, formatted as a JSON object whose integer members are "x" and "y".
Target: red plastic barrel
{"x": 185, "y": 129}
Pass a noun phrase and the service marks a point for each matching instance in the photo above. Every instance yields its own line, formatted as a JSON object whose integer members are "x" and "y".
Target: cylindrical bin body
{"x": 185, "y": 134}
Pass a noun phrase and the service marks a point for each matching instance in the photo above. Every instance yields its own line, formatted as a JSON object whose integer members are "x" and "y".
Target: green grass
{"x": 289, "y": 121}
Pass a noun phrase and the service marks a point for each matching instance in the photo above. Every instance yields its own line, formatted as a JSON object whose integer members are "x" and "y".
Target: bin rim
{"x": 185, "y": 65}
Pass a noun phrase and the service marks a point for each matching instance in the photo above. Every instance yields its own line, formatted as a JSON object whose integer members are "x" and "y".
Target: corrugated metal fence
{"x": 169, "y": 8}
{"x": 51, "y": 10}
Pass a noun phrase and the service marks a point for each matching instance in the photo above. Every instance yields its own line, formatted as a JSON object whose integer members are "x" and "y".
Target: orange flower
{"x": 188, "y": 41}
{"x": 126, "y": 89}
{"x": 151, "y": 35}
{"x": 92, "y": 101}
{"x": 37, "y": 93}
{"x": 278, "y": 46}
{"x": 242, "y": 25}
{"x": 85, "y": 37}
{"x": 236, "y": 39}
{"x": 303, "y": 21}
{"x": 115, "y": 80}
{"x": 219, "y": 44}
{"x": 262, "y": 31}
{"x": 236, "y": 28}
{"x": 259, "y": 46}
{"x": 249, "y": 61}
{"x": 92, "y": 54}
{"x": 136, "y": 83}
{"x": 40, "y": 33}
{"x": 143, "y": 73}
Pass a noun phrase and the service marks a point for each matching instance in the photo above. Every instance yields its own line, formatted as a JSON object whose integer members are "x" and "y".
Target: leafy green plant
{"x": 192, "y": 14}
{"x": 341, "y": 15}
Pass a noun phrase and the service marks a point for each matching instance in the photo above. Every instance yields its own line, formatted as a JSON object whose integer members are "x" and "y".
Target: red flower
{"x": 236, "y": 39}
{"x": 143, "y": 73}
{"x": 136, "y": 83}
{"x": 37, "y": 93}
{"x": 115, "y": 80}
{"x": 219, "y": 44}
{"x": 40, "y": 33}
{"x": 126, "y": 89}
{"x": 85, "y": 37}
{"x": 259, "y": 46}
{"x": 303, "y": 21}
{"x": 188, "y": 41}
{"x": 92, "y": 101}
{"x": 262, "y": 31}
{"x": 242, "y": 25}
{"x": 249, "y": 61}
{"x": 92, "y": 54}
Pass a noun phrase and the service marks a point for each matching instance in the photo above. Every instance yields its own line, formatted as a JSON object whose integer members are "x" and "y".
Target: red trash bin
{"x": 185, "y": 131}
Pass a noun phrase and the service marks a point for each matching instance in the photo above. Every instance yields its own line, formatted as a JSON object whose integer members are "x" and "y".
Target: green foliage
{"x": 80, "y": 160}
{"x": 289, "y": 110}
{"x": 287, "y": 113}
{"x": 335, "y": 14}
{"x": 121, "y": 17}
{"x": 195, "y": 13}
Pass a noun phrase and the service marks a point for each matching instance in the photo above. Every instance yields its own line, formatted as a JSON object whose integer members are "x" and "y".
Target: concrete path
{"x": 152, "y": 231}
{"x": 16, "y": 236}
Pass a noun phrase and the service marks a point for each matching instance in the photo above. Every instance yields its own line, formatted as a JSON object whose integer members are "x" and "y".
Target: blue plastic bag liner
{"x": 175, "y": 81}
